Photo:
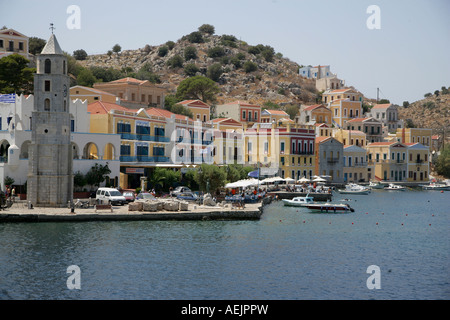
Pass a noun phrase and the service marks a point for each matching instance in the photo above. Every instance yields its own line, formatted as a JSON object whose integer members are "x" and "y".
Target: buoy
{"x": 352, "y": 222}
{"x": 304, "y": 221}
{"x": 402, "y": 223}
{"x": 430, "y": 224}
{"x": 442, "y": 191}
{"x": 406, "y": 214}
{"x": 377, "y": 223}
{"x": 367, "y": 213}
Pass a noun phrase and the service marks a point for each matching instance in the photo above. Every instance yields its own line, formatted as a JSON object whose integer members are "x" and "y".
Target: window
{"x": 125, "y": 149}
{"x": 72, "y": 125}
{"x": 243, "y": 114}
{"x": 47, "y": 85}
{"x": 143, "y": 98}
{"x": 21, "y": 46}
{"x": 1, "y": 43}
{"x": 256, "y": 115}
{"x": 133, "y": 97}
{"x": 47, "y": 105}
{"x": 64, "y": 66}
{"x": 47, "y": 66}
{"x": 282, "y": 147}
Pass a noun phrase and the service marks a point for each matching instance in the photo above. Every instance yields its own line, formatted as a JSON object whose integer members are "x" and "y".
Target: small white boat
{"x": 299, "y": 201}
{"x": 353, "y": 188}
{"x": 435, "y": 186}
{"x": 375, "y": 185}
{"x": 395, "y": 187}
{"x": 330, "y": 208}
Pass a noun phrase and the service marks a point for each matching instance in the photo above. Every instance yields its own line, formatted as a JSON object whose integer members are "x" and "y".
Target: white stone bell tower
{"x": 50, "y": 178}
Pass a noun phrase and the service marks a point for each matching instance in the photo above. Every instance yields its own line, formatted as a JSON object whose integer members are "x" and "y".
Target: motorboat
{"x": 299, "y": 201}
{"x": 375, "y": 185}
{"x": 353, "y": 188}
{"x": 330, "y": 208}
{"x": 395, "y": 187}
{"x": 435, "y": 186}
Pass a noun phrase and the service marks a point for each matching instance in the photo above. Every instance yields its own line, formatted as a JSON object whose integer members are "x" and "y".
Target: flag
{"x": 254, "y": 174}
{"x": 8, "y": 98}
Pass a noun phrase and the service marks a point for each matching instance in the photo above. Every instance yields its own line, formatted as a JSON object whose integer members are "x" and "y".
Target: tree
{"x": 86, "y": 78}
{"x": 146, "y": 73}
{"x": 405, "y": 104}
{"x": 162, "y": 51}
{"x": 216, "y": 52}
{"x": 436, "y": 93}
{"x": 97, "y": 174}
{"x": 195, "y": 37}
{"x": 292, "y": 111}
{"x": 80, "y": 54}
{"x": 79, "y": 180}
{"x": 268, "y": 53}
{"x": 170, "y": 44}
{"x": 197, "y": 87}
{"x": 175, "y": 62}
{"x": 250, "y": 66}
{"x": 384, "y": 101}
{"x": 162, "y": 178}
{"x": 117, "y": 48}
{"x": 8, "y": 181}
{"x": 190, "y": 53}
{"x": 212, "y": 175}
{"x": 35, "y": 45}
{"x": 191, "y": 69}
{"x": 15, "y": 75}
{"x": 214, "y": 72}
{"x": 180, "y": 109}
{"x": 207, "y": 28}
{"x": 443, "y": 162}
{"x": 426, "y": 95}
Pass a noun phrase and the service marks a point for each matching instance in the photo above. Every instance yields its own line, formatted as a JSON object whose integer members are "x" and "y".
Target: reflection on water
{"x": 288, "y": 254}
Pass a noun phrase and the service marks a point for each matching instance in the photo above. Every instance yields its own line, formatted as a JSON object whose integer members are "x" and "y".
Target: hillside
{"x": 276, "y": 78}
{"x": 431, "y": 112}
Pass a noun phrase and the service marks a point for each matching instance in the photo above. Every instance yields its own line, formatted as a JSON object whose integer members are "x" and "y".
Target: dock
{"x": 19, "y": 213}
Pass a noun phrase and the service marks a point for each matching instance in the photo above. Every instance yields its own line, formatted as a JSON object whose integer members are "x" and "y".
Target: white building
{"x": 15, "y": 137}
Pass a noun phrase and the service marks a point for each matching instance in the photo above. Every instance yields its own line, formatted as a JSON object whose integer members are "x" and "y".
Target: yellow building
{"x": 12, "y": 41}
{"x": 134, "y": 93}
{"x": 91, "y": 95}
{"x": 200, "y": 110}
{"x": 268, "y": 116}
{"x": 350, "y": 137}
{"x": 418, "y": 162}
{"x": 283, "y": 148}
{"x": 414, "y": 135}
{"x": 310, "y": 115}
{"x": 355, "y": 164}
{"x": 341, "y": 94}
{"x": 388, "y": 161}
{"x": 228, "y": 141}
{"x": 344, "y": 110}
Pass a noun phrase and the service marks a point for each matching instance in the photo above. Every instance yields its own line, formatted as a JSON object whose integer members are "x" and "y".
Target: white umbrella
{"x": 304, "y": 179}
{"x": 289, "y": 179}
{"x": 319, "y": 179}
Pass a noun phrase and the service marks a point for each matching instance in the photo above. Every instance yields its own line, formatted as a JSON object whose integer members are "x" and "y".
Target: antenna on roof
{"x": 52, "y": 27}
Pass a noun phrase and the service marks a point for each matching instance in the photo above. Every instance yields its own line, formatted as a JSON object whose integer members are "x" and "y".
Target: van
{"x": 110, "y": 195}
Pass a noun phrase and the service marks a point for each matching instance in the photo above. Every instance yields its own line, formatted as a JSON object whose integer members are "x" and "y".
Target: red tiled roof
{"x": 382, "y": 106}
{"x": 321, "y": 139}
{"x": 165, "y": 113}
{"x": 100, "y": 107}
{"x": 308, "y": 108}
{"x": 385, "y": 143}
{"x": 194, "y": 103}
{"x": 277, "y": 112}
{"x": 128, "y": 79}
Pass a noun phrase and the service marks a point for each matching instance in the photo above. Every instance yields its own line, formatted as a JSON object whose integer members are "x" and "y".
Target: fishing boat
{"x": 375, "y": 185}
{"x": 299, "y": 201}
{"x": 330, "y": 208}
{"x": 435, "y": 186}
{"x": 353, "y": 188}
{"x": 395, "y": 187}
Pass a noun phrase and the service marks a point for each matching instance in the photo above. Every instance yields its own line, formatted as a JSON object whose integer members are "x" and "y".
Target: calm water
{"x": 288, "y": 254}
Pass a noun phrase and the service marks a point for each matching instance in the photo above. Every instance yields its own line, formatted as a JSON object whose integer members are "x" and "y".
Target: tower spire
{"x": 52, "y": 27}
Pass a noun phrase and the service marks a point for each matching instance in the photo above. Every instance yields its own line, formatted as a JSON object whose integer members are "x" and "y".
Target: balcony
{"x": 143, "y": 137}
{"x": 332, "y": 160}
{"x": 144, "y": 159}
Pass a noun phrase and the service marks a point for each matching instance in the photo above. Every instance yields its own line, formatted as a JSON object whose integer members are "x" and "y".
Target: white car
{"x": 110, "y": 195}
{"x": 179, "y": 190}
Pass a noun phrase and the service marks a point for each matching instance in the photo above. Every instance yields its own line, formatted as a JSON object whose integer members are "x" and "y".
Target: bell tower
{"x": 50, "y": 178}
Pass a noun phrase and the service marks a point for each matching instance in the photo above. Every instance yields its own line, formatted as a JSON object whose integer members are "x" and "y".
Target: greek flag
{"x": 8, "y": 98}
{"x": 254, "y": 174}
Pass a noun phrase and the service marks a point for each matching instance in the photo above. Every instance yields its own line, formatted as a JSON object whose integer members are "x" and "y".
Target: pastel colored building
{"x": 344, "y": 110}
{"x": 345, "y": 93}
{"x": 355, "y": 164}
{"x": 91, "y": 94}
{"x": 350, "y": 137}
{"x": 372, "y": 128}
{"x": 418, "y": 162}
{"x": 414, "y": 135}
{"x": 269, "y": 116}
{"x": 12, "y": 41}
{"x": 239, "y": 111}
{"x": 311, "y": 115}
{"x": 388, "y": 161}
{"x": 133, "y": 93}
{"x": 388, "y": 114}
{"x": 329, "y": 153}
{"x": 285, "y": 149}
{"x": 200, "y": 110}
{"x": 228, "y": 145}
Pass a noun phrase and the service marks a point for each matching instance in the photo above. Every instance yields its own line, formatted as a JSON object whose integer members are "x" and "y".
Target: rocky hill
{"x": 275, "y": 79}
{"x": 431, "y": 112}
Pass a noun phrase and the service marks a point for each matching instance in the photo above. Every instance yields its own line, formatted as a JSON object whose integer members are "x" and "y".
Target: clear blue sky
{"x": 406, "y": 58}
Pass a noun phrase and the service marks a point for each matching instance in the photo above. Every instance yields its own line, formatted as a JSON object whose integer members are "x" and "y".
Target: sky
{"x": 406, "y": 57}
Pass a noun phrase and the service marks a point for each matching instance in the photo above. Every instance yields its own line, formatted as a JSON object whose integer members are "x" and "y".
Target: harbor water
{"x": 289, "y": 253}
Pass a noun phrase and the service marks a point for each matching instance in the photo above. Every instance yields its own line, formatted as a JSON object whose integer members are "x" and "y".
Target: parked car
{"x": 145, "y": 196}
{"x": 110, "y": 195}
{"x": 129, "y": 196}
{"x": 179, "y": 190}
{"x": 187, "y": 196}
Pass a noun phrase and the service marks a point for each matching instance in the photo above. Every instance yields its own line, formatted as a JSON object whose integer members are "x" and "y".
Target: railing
{"x": 358, "y": 164}
{"x": 144, "y": 137}
{"x": 332, "y": 160}
{"x": 144, "y": 159}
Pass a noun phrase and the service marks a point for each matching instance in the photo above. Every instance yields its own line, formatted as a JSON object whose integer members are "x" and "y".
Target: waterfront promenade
{"x": 19, "y": 212}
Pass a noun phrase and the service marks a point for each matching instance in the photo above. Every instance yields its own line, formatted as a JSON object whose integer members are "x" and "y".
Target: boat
{"x": 330, "y": 208}
{"x": 395, "y": 187}
{"x": 299, "y": 201}
{"x": 375, "y": 185}
{"x": 353, "y": 188}
{"x": 435, "y": 186}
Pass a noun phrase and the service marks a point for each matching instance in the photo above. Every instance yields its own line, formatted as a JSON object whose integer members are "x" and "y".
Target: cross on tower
{"x": 52, "y": 27}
